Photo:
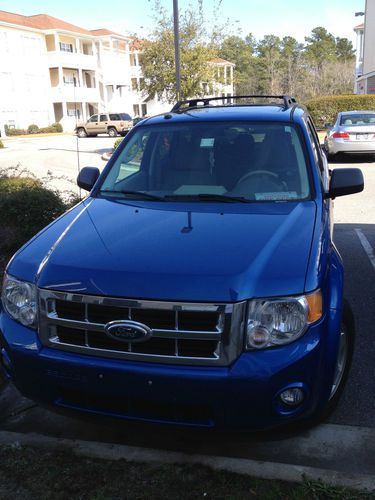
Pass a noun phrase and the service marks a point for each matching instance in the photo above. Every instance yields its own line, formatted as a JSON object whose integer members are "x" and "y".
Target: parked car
{"x": 353, "y": 132}
{"x": 198, "y": 284}
{"x": 105, "y": 123}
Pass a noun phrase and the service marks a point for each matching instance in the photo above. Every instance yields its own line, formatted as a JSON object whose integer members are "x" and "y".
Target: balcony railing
{"x": 69, "y": 93}
{"x": 71, "y": 60}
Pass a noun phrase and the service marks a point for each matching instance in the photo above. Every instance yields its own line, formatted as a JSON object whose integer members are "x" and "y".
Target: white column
{"x": 76, "y": 44}
{"x": 80, "y": 82}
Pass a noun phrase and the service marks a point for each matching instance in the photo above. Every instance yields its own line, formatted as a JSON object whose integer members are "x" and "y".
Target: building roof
{"x": 359, "y": 27}
{"x": 40, "y": 22}
{"x": 105, "y": 32}
{"x": 219, "y": 60}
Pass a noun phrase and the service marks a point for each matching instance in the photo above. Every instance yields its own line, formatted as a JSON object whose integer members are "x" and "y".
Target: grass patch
{"x": 28, "y": 473}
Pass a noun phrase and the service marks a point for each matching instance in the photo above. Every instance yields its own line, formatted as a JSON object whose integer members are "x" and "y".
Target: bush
{"x": 32, "y": 129}
{"x": 26, "y": 207}
{"x": 324, "y": 109}
{"x": 1, "y": 144}
{"x": 117, "y": 142}
{"x": 58, "y": 127}
{"x": 14, "y": 131}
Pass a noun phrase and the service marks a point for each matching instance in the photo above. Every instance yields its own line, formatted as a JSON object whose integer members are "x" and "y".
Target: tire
{"x": 81, "y": 132}
{"x": 112, "y": 132}
{"x": 344, "y": 358}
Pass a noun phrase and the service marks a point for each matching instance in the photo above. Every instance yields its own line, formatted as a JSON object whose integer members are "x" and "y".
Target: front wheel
{"x": 344, "y": 357}
{"x": 81, "y": 132}
{"x": 112, "y": 132}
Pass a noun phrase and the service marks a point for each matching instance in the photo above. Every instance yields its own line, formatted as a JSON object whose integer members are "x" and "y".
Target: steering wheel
{"x": 258, "y": 172}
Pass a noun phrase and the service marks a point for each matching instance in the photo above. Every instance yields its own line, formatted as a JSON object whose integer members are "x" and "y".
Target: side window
{"x": 114, "y": 117}
{"x": 131, "y": 157}
{"x": 103, "y": 118}
{"x": 94, "y": 118}
{"x": 315, "y": 145}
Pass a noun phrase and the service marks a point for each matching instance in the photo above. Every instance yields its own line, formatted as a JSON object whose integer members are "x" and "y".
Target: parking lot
{"x": 354, "y": 237}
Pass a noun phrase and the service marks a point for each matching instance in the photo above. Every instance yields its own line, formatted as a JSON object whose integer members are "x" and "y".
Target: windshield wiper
{"x": 135, "y": 194}
{"x": 209, "y": 197}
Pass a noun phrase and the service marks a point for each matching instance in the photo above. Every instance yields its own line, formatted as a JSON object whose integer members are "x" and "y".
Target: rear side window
{"x": 255, "y": 161}
{"x": 125, "y": 116}
{"x": 103, "y": 118}
{"x": 114, "y": 117}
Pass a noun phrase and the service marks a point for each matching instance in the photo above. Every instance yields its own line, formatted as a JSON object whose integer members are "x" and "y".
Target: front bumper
{"x": 242, "y": 396}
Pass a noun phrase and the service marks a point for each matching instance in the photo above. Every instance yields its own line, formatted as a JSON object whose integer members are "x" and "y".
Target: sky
{"x": 260, "y": 17}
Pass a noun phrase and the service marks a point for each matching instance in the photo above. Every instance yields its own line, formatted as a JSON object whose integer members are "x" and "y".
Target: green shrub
{"x": 58, "y": 127}
{"x": 1, "y": 144}
{"x": 117, "y": 142}
{"x": 32, "y": 129}
{"x": 26, "y": 206}
{"x": 324, "y": 109}
{"x": 15, "y": 131}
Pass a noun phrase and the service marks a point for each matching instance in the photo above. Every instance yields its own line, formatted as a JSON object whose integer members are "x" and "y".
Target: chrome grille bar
{"x": 218, "y": 343}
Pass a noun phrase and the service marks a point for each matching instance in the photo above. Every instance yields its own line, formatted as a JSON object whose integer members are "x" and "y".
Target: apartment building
{"x": 53, "y": 71}
{"x": 365, "y": 59}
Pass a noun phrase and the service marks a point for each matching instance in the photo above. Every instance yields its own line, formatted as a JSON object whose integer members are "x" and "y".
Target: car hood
{"x": 162, "y": 251}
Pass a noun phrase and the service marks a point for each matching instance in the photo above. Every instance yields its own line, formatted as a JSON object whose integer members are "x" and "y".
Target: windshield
{"x": 208, "y": 161}
{"x": 358, "y": 119}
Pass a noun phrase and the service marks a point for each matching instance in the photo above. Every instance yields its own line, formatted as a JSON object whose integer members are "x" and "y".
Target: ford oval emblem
{"x": 128, "y": 331}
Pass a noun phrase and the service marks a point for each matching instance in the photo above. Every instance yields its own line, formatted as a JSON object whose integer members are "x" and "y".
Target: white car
{"x": 353, "y": 132}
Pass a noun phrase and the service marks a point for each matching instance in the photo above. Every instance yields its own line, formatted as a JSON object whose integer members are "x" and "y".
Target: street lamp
{"x": 177, "y": 49}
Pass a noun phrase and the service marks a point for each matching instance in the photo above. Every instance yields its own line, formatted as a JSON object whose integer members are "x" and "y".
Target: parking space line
{"x": 366, "y": 246}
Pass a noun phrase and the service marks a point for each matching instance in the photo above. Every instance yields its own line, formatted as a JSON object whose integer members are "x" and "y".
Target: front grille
{"x": 187, "y": 333}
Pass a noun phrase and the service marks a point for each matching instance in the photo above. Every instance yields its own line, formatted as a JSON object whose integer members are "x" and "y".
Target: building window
{"x": 133, "y": 60}
{"x": 68, "y": 80}
{"x": 144, "y": 109}
{"x": 74, "y": 112}
{"x": 66, "y": 47}
{"x": 136, "y": 109}
{"x": 134, "y": 84}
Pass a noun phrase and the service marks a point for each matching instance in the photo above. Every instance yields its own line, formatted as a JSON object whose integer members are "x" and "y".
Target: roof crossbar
{"x": 205, "y": 101}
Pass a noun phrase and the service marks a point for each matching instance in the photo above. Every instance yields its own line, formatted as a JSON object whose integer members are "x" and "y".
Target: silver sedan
{"x": 353, "y": 132}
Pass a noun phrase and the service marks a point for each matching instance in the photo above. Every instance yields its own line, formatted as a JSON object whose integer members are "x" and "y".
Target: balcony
{"x": 71, "y": 60}
{"x": 69, "y": 93}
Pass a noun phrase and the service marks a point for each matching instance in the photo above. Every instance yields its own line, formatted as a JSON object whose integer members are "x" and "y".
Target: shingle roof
{"x": 359, "y": 27}
{"x": 219, "y": 60}
{"x": 40, "y": 22}
{"x": 103, "y": 32}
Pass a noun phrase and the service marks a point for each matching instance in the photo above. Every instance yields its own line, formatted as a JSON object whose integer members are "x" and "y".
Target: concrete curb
{"x": 254, "y": 468}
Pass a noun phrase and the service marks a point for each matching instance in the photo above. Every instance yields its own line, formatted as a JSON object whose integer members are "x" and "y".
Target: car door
{"x": 92, "y": 125}
{"x": 103, "y": 124}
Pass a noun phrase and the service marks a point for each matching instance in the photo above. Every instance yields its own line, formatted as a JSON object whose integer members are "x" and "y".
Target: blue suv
{"x": 198, "y": 283}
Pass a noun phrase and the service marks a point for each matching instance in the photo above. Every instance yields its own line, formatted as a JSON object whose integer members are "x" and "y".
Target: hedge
{"x": 34, "y": 129}
{"x": 324, "y": 109}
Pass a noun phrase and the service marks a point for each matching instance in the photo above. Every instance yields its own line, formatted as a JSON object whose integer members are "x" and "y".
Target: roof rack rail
{"x": 205, "y": 101}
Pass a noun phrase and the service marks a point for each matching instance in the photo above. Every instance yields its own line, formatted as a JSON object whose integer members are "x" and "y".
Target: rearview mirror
{"x": 87, "y": 178}
{"x": 345, "y": 181}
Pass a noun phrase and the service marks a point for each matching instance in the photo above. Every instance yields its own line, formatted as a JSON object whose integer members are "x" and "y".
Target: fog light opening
{"x": 292, "y": 397}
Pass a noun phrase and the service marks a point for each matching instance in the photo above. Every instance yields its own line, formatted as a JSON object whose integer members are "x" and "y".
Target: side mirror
{"x": 87, "y": 178}
{"x": 345, "y": 181}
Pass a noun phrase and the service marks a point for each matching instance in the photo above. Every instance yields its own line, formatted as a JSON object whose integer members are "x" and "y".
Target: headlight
{"x": 272, "y": 322}
{"x": 19, "y": 300}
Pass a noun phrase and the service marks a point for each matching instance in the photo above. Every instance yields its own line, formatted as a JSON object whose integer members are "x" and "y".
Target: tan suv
{"x": 105, "y": 123}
